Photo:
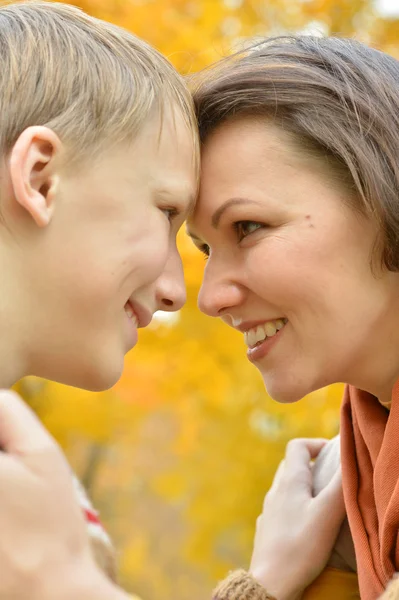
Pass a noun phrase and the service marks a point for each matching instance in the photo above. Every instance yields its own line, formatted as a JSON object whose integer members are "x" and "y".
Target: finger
{"x": 303, "y": 450}
{"x": 21, "y": 432}
{"x": 278, "y": 475}
{"x": 299, "y": 454}
{"x": 331, "y": 498}
{"x": 330, "y": 513}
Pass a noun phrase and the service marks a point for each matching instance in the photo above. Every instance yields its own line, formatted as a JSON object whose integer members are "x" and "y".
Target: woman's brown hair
{"x": 337, "y": 97}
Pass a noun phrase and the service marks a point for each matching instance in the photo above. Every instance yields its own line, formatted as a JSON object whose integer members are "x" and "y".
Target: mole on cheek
{"x": 308, "y": 218}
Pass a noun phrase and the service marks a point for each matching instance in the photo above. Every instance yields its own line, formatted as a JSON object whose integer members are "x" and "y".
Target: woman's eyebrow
{"x": 217, "y": 215}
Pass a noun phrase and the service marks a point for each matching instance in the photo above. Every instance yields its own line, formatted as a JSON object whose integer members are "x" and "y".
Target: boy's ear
{"x": 33, "y": 174}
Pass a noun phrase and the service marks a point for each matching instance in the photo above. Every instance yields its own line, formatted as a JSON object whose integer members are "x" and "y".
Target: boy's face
{"x": 108, "y": 259}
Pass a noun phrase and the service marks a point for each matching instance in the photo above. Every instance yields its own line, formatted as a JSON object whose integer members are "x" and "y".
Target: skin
{"x": 74, "y": 247}
{"x": 78, "y": 244}
{"x": 290, "y": 246}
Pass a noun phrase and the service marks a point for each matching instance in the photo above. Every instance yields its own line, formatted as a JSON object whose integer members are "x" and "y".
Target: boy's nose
{"x": 170, "y": 287}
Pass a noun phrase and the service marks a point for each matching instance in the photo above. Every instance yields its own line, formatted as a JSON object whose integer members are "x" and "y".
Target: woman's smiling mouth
{"x": 261, "y": 337}
{"x": 256, "y": 335}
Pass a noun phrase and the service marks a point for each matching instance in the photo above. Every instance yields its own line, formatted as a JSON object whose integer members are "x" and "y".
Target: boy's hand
{"x": 296, "y": 531}
{"x": 44, "y": 548}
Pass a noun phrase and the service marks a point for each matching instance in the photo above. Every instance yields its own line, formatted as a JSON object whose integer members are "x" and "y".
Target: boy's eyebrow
{"x": 173, "y": 193}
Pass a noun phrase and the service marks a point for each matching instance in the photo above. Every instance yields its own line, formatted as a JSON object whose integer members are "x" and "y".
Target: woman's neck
{"x": 375, "y": 368}
{"x": 380, "y": 374}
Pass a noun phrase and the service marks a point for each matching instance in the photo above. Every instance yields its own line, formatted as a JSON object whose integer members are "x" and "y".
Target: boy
{"x": 98, "y": 169}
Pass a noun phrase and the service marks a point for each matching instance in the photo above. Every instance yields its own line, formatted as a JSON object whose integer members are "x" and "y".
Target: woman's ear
{"x": 33, "y": 172}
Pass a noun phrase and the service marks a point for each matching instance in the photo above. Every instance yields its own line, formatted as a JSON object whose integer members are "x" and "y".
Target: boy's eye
{"x": 170, "y": 213}
{"x": 245, "y": 228}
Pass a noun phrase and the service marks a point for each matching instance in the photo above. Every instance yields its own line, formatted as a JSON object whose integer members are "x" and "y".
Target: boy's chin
{"x": 94, "y": 377}
{"x": 103, "y": 380}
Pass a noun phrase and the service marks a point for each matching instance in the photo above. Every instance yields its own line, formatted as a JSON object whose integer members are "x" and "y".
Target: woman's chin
{"x": 284, "y": 392}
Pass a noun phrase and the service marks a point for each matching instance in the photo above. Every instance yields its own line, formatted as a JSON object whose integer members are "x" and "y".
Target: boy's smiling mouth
{"x": 138, "y": 314}
{"x": 131, "y": 314}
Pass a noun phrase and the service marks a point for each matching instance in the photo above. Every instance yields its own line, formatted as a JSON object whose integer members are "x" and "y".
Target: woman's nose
{"x": 218, "y": 293}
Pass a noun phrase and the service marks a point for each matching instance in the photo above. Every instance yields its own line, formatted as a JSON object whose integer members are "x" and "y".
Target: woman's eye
{"x": 245, "y": 228}
{"x": 205, "y": 250}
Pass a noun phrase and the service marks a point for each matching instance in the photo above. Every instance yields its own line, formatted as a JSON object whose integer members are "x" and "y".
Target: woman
{"x": 298, "y": 217}
{"x": 90, "y": 209}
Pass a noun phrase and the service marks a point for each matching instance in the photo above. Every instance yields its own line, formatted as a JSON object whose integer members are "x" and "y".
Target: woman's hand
{"x": 296, "y": 532}
{"x": 44, "y": 547}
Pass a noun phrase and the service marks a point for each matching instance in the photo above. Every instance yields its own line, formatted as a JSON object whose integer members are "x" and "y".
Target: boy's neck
{"x": 12, "y": 333}
{"x": 11, "y": 362}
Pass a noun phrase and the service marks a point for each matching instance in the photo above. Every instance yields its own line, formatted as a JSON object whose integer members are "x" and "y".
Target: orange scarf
{"x": 370, "y": 468}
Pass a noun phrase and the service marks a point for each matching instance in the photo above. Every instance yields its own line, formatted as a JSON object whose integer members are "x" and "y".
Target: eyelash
{"x": 205, "y": 251}
{"x": 171, "y": 213}
{"x": 204, "y": 248}
{"x": 238, "y": 228}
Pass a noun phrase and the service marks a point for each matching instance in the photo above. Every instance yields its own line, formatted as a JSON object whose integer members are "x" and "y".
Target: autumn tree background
{"x": 179, "y": 455}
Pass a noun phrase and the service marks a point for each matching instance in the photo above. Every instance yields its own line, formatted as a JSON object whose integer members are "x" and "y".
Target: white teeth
{"x": 130, "y": 313}
{"x": 251, "y": 335}
{"x": 261, "y": 332}
{"x": 270, "y": 329}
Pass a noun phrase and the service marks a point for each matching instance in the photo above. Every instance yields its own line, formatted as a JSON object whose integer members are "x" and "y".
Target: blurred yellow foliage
{"x": 180, "y": 454}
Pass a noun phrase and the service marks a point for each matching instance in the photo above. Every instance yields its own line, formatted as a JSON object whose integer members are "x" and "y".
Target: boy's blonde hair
{"x": 91, "y": 82}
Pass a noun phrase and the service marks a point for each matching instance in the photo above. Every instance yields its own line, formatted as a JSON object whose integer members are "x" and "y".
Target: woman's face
{"x": 289, "y": 263}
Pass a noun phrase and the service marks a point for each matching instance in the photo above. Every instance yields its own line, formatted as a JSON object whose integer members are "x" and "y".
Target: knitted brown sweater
{"x": 239, "y": 585}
